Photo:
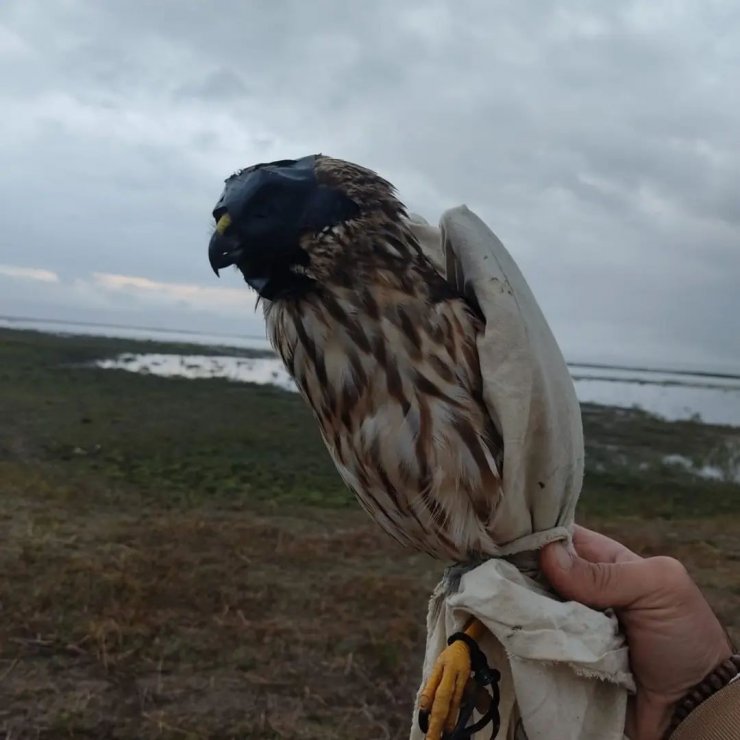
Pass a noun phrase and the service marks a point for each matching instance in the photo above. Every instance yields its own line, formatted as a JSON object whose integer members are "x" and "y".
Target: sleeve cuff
{"x": 717, "y": 718}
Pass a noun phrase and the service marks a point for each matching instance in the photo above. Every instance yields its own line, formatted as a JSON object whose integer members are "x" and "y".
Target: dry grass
{"x": 209, "y": 624}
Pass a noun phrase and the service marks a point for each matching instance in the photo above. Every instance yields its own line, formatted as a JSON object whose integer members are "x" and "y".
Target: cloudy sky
{"x": 599, "y": 140}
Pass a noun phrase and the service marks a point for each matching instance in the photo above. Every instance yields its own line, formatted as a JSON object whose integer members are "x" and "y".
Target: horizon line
{"x": 638, "y": 367}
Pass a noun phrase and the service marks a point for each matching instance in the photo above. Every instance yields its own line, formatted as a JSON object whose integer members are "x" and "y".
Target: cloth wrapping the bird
{"x": 564, "y": 667}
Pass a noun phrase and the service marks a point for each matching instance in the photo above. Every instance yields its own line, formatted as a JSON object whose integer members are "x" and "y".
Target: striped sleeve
{"x": 716, "y": 718}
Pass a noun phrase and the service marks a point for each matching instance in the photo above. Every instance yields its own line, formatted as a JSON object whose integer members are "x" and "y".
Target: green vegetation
{"x": 179, "y": 559}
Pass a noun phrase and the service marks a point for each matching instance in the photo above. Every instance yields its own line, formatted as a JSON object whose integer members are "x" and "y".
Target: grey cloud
{"x": 598, "y": 140}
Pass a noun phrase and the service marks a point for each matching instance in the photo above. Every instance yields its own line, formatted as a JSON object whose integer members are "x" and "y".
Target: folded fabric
{"x": 564, "y": 667}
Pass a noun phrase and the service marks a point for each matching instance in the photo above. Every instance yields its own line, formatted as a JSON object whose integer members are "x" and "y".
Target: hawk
{"x": 383, "y": 349}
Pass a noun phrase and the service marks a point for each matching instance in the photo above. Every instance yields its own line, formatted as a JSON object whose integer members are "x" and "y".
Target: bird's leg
{"x": 440, "y": 700}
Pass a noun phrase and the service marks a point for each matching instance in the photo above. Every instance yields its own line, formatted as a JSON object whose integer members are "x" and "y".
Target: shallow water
{"x": 712, "y": 399}
{"x": 728, "y": 471}
{"x": 261, "y": 370}
{"x": 71, "y": 328}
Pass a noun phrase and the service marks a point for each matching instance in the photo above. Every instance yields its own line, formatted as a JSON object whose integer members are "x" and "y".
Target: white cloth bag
{"x": 564, "y": 667}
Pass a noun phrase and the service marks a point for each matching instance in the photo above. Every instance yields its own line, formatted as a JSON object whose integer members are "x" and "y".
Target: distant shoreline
{"x": 126, "y": 327}
{"x": 709, "y": 398}
{"x": 249, "y": 340}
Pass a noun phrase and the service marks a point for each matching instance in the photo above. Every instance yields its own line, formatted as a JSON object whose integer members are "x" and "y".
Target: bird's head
{"x": 289, "y": 226}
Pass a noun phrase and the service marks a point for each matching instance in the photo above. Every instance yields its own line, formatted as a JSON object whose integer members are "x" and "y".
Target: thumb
{"x": 600, "y": 585}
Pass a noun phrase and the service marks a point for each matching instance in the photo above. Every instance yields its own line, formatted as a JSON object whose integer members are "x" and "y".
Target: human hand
{"x": 674, "y": 638}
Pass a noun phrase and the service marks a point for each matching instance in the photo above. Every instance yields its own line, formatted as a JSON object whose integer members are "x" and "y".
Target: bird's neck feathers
{"x": 381, "y": 278}
{"x": 378, "y": 252}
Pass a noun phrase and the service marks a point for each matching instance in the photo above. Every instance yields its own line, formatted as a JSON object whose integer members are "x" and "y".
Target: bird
{"x": 382, "y": 347}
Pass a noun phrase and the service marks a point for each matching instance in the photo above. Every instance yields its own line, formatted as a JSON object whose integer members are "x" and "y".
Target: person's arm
{"x": 675, "y": 640}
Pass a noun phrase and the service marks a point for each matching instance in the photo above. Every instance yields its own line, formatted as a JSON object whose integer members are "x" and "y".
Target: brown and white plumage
{"x": 384, "y": 353}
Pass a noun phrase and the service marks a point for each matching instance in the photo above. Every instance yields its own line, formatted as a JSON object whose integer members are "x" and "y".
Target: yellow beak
{"x": 223, "y": 223}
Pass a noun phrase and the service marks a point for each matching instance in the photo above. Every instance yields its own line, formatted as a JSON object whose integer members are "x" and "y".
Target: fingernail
{"x": 563, "y": 555}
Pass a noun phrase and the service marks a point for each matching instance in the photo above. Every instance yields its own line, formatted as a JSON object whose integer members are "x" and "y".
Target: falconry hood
{"x": 262, "y": 214}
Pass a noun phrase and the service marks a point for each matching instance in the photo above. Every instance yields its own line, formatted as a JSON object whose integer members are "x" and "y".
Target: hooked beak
{"x": 223, "y": 250}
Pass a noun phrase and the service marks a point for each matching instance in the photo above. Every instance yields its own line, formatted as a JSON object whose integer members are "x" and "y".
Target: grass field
{"x": 179, "y": 559}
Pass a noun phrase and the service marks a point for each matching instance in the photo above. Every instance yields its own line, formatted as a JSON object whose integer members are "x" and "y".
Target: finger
{"x": 599, "y": 585}
{"x": 457, "y": 693}
{"x": 441, "y": 705}
{"x": 599, "y": 548}
{"x": 429, "y": 690}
